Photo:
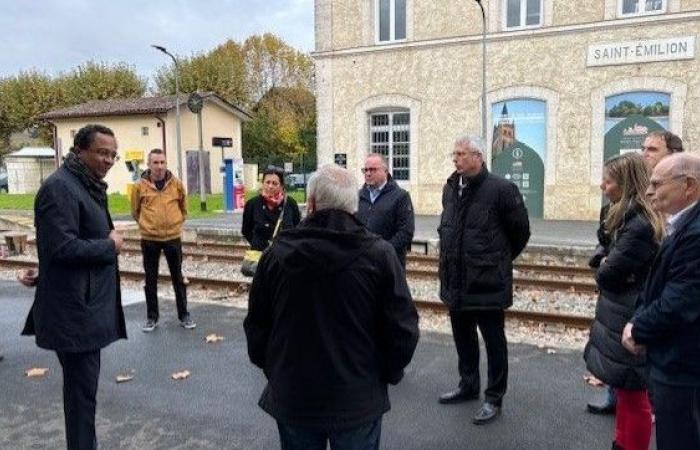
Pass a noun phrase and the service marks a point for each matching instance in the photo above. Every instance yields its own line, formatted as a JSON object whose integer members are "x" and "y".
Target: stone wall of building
{"x": 440, "y": 83}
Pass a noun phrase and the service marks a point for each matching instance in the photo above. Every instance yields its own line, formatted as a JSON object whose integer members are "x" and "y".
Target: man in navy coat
{"x": 77, "y": 305}
{"x": 667, "y": 323}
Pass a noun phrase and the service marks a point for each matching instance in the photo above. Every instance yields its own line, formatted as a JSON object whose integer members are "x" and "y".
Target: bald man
{"x": 667, "y": 324}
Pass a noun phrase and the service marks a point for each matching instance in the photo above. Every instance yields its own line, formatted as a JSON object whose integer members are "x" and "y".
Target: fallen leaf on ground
{"x": 212, "y": 338}
{"x": 593, "y": 381}
{"x": 124, "y": 377}
{"x": 35, "y": 372}
{"x": 181, "y": 375}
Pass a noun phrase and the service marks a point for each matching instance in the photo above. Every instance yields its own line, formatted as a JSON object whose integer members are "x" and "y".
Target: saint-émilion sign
{"x": 633, "y": 52}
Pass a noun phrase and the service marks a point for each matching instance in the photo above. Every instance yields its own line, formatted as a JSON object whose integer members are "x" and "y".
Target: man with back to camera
{"x": 384, "y": 207}
{"x": 330, "y": 322}
{"x": 657, "y": 145}
{"x": 667, "y": 321}
{"x": 77, "y": 307}
{"x": 483, "y": 227}
{"x": 159, "y": 205}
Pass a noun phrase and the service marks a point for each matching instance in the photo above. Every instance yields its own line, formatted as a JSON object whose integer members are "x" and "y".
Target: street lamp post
{"x": 483, "y": 72}
{"x": 177, "y": 109}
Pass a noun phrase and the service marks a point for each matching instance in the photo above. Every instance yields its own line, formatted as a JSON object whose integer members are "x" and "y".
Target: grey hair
{"x": 382, "y": 158}
{"x": 333, "y": 187}
{"x": 684, "y": 164}
{"x": 473, "y": 142}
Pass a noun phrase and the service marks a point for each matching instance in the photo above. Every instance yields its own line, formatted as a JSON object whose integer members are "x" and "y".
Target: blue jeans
{"x": 364, "y": 437}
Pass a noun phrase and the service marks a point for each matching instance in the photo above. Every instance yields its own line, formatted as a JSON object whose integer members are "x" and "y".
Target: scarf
{"x": 273, "y": 201}
{"x": 95, "y": 187}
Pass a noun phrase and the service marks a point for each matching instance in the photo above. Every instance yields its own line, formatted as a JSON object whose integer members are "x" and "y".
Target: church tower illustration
{"x": 503, "y": 132}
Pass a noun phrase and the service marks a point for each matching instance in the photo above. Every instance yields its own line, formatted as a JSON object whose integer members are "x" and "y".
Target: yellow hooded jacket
{"x": 160, "y": 214}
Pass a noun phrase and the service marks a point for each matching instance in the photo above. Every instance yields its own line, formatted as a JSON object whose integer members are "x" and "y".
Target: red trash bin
{"x": 238, "y": 196}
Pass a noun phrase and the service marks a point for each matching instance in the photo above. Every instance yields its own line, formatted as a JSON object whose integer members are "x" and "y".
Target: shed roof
{"x": 33, "y": 152}
{"x": 137, "y": 106}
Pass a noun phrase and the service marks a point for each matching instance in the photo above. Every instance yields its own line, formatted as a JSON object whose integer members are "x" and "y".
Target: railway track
{"x": 242, "y": 286}
{"x": 214, "y": 252}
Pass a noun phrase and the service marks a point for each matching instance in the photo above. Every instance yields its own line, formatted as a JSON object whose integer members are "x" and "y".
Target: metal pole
{"x": 178, "y": 133}
{"x": 483, "y": 72}
{"x": 177, "y": 109}
{"x": 202, "y": 192}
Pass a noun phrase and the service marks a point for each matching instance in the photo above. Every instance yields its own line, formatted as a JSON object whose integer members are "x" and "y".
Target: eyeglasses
{"x": 655, "y": 184}
{"x": 463, "y": 154}
{"x": 106, "y": 154}
{"x": 369, "y": 169}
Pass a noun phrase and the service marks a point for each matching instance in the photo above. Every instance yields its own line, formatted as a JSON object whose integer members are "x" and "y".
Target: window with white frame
{"x": 641, "y": 7}
{"x": 391, "y": 20}
{"x": 390, "y": 135}
{"x": 522, "y": 13}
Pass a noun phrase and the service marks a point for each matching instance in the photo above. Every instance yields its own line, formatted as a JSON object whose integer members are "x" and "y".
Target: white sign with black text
{"x": 633, "y": 52}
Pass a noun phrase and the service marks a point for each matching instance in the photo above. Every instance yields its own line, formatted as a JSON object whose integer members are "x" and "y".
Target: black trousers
{"x": 81, "y": 372}
{"x": 491, "y": 324}
{"x": 677, "y": 411}
{"x": 151, "y": 259}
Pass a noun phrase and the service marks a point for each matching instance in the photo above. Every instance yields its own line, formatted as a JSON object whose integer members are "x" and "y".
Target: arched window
{"x": 390, "y": 135}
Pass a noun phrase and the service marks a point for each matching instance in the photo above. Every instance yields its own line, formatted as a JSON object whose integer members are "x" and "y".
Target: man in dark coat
{"x": 330, "y": 322}
{"x": 667, "y": 322}
{"x": 483, "y": 227}
{"x": 77, "y": 305}
{"x": 385, "y": 208}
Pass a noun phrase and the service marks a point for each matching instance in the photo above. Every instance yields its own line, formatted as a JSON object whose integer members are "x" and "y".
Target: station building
{"x": 141, "y": 124}
{"x": 569, "y": 84}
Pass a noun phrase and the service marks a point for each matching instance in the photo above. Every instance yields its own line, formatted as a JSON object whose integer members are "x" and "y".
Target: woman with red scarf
{"x": 262, "y": 211}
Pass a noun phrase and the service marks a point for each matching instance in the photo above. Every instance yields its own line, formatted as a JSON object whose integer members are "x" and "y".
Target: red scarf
{"x": 273, "y": 201}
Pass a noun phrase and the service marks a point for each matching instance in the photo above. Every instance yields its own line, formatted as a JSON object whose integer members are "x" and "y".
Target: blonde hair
{"x": 632, "y": 176}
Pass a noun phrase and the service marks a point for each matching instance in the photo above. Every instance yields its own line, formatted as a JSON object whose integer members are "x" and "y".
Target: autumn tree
{"x": 21, "y": 99}
{"x": 221, "y": 71}
{"x": 25, "y": 96}
{"x": 99, "y": 81}
{"x": 271, "y": 63}
{"x": 283, "y": 128}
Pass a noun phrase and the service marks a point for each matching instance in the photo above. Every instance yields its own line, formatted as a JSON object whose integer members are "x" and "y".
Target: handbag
{"x": 252, "y": 257}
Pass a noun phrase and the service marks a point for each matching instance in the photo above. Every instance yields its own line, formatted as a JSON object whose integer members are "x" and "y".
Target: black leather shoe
{"x": 486, "y": 414}
{"x": 458, "y": 396}
{"x": 601, "y": 408}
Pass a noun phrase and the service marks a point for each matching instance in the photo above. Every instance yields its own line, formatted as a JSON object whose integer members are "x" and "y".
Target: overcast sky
{"x": 54, "y": 36}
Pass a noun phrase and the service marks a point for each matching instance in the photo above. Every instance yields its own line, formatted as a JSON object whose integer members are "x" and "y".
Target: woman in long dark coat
{"x": 635, "y": 231}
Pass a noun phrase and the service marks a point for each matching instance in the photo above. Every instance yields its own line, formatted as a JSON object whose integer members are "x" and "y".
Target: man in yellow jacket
{"x": 159, "y": 205}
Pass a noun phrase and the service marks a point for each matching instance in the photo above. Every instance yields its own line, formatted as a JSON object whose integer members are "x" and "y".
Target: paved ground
{"x": 216, "y": 408}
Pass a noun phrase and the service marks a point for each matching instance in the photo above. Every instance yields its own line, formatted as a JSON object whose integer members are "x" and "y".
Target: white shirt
{"x": 674, "y": 218}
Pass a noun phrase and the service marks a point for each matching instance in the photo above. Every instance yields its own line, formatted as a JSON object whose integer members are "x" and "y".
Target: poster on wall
{"x": 630, "y": 117}
{"x": 519, "y": 148}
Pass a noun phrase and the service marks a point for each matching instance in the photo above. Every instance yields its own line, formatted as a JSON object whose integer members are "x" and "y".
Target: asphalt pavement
{"x": 216, "y": 407}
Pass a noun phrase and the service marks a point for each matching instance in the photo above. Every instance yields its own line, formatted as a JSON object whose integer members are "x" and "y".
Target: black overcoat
{"x": 331, "y": 322}
{"x": 481, "y": 233}
{"x": 620, "y": 278}
{"x": 390, "y": 216}
{"x": 77, "y": 303}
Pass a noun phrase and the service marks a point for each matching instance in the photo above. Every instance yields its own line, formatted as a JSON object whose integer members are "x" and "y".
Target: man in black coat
{"x": 384, "y": 207}
{"x": 483, "y": 227}
{"x": 667, "y": 322}
{"x": 77, "y": 305}
{"x": 330, "y": 322}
